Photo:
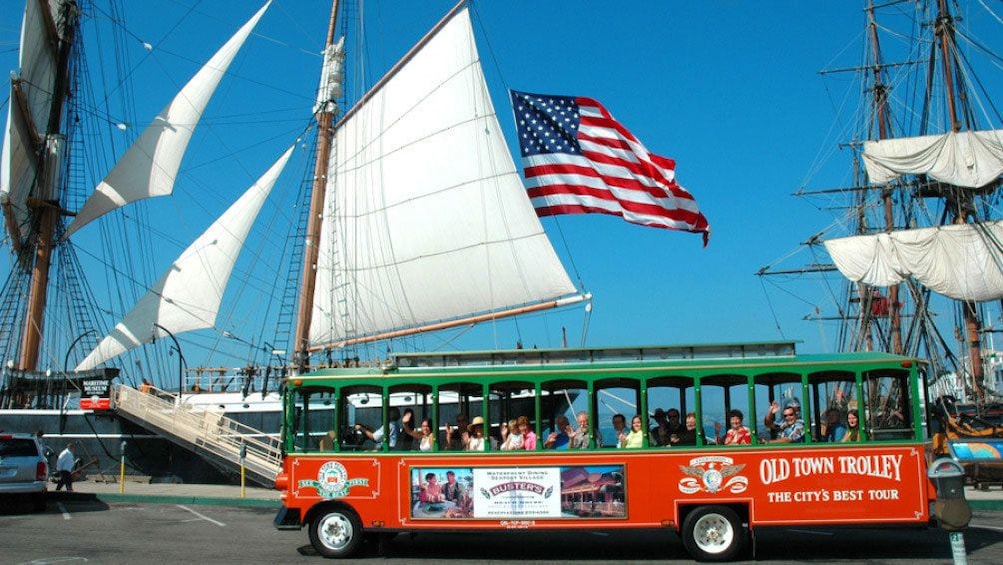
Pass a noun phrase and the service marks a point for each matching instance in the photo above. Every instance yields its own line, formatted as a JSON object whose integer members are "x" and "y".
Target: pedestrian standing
{"x": 64, "y": 466}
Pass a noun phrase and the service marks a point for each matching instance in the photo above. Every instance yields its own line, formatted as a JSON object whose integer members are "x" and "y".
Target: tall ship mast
{"x": 917, "y": 244}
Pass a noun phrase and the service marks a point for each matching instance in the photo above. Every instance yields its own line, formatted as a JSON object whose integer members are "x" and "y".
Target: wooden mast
{"x": 308, "y": 284}
{"x": 325, "y": 132}
{"x": 963, "y": 210}
{"x": 46, "y": 205}
{"x": 881, "y": 119}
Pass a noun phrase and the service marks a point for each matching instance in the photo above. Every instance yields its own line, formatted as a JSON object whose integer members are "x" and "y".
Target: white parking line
{"x": 206, "y": 518}
{"x": 66, "y": 513}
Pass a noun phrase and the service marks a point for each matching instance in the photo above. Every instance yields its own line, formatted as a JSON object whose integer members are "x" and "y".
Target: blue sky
{"x": 728, "y": 89}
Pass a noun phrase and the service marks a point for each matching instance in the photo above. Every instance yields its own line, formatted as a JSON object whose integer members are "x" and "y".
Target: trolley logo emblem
{"x": 332, "y": 481}
{"x": 712, "y": 474}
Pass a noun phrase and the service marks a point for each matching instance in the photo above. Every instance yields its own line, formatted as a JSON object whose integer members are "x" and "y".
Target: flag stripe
{"x": 559, "y": 192}
{"x": 657, "y": 221}
{"x": 625, "y": 194}
{"x": 614, "y": 174}
{"x": 578, "y": 159}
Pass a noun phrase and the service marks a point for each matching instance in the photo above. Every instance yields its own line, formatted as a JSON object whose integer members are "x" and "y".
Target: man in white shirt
{"x": 391, "y": 430}
{"x": 64, "y": 465}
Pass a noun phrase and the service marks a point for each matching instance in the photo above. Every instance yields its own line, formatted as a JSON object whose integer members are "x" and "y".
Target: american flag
{"x": 578, "y": 159}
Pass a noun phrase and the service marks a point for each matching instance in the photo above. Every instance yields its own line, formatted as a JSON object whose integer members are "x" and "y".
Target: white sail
{"x": 151, "y": 164}
{"x": 28, "y": 114}
{"x": 426, "y": 218}
{"x": 969, "y": 159}
{"x": 188, "y": 296}
{"x": 962, "y": 261}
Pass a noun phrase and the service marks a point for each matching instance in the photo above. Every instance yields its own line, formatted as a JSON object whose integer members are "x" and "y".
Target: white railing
{"x": 206, "y": 429}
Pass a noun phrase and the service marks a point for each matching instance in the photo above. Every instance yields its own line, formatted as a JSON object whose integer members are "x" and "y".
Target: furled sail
{"x": 970, "y": 159}
{"x": 426, "y": 218}
{"x": 150, "y": 166}
{"x": 961, "y": 261}
{"x": 28, "y": 114}
{"x": 187, "y": 297}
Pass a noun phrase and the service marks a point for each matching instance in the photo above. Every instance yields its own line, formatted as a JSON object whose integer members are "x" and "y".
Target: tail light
{"x": 41, "y": 471}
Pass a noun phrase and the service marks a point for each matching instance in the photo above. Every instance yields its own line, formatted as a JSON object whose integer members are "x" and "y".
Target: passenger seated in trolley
{"x": 790, "y": 430}
{"x": 579, "y": 439}
{"x": 852, "y": 424}
{"x": 424, "y": 435}
{"x": 512, "y": 438}
{"x": 475, "y": 436}
{"x": 457, "y": 436}
{"x": 559, "y": 439}
{"x": 391, "y": 430}
{"x": 620, "y": 430}
{"x": 737, "y": 433}
{"x": 635, "y": 439}
{"x": 834, "y": 428}
{"x": 528, "y": 435}
{"x": 688, "y": 435}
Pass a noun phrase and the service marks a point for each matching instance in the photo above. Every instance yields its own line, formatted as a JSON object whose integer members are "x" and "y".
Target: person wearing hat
{"x": 659, "y": 433}
{"x": 476, "y": 435}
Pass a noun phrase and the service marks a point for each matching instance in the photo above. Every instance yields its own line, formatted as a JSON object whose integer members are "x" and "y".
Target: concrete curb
{"x": 986, "y": 504}
{"x": 164, "y": 499}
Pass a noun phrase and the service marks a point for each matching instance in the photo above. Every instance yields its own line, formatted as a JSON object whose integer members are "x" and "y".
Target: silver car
{"x": 24, "y": 469}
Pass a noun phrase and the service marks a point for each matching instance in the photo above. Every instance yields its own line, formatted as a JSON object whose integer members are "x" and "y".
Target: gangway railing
{"x": 205, "y": 431}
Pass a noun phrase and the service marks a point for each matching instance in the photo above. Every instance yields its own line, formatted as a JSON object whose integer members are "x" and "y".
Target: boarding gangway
{"x": 205, "y": 432}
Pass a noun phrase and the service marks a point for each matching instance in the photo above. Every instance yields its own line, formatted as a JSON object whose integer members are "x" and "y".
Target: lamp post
{"x": 181, "y": 361}
{"x": 66, "y": 360}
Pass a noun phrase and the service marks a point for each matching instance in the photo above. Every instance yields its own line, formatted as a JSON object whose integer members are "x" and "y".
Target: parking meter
{"x": 951, "y": 507}
{"x": 121, "y": 471}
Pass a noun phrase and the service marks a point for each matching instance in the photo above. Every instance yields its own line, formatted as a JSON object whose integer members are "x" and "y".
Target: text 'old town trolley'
{"x": 709, "y": 441}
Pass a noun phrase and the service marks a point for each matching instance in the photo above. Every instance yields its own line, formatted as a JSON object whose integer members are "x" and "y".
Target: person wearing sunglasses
{"x": 790, "y": 429}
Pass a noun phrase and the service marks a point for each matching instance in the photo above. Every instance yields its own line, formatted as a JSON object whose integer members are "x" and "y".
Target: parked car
{"x": 24, "y": 469}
